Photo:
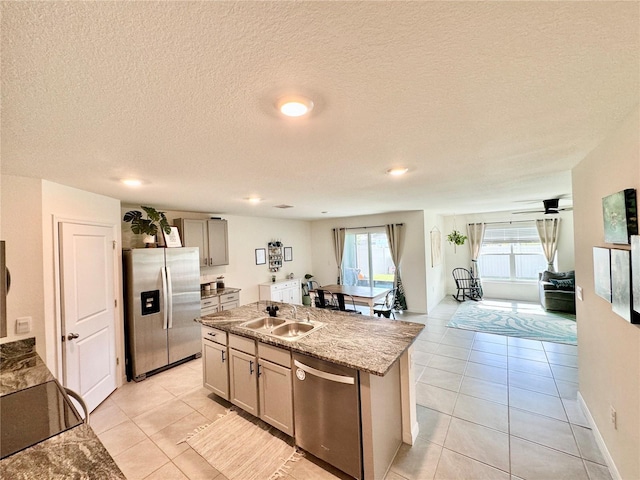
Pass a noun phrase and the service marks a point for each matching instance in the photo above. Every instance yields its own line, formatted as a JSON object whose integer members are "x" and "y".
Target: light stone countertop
{"x": 368, "y": 344}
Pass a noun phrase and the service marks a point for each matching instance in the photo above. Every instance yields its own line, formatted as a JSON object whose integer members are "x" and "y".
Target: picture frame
{"x": 261, "y": 256}
{"x": 288, "y": 254}
{"x": 172, "y": 239}
{"x": 620, "y": 216}
{"x": 602, "y": 272}
{"x": 621, "y": 283}
{"x": 635, "y": 279}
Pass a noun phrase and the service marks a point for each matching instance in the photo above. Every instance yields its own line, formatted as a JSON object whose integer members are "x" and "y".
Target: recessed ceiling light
{"x": 253, "y": 199}
{"x": 131, "y": 182}
{"x": 397, "y": 171}
{"x": 294, "y": 106}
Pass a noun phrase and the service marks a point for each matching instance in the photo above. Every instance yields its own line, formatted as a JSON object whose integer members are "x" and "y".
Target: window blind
{"x": 520, "y": 233}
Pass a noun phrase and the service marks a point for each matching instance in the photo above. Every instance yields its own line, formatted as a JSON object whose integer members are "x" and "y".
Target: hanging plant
{"x": 456, "y": 238}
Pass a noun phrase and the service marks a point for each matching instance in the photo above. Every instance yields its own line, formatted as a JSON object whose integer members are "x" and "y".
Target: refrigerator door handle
{"x": 165, "y": 300}
{"x": 170, "y": 296}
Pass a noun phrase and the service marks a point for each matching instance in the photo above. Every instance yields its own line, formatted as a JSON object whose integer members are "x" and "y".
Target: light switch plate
{"x": 579, "y": 292}
{"x": 23, "y": 325}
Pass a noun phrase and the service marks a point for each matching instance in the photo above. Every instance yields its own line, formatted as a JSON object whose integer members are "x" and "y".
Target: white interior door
{"x": 88, "y": 310}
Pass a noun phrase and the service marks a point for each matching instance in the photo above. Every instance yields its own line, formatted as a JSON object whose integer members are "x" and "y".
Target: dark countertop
{"x": 74, "y": 453}
{"x": 368, "y": 344}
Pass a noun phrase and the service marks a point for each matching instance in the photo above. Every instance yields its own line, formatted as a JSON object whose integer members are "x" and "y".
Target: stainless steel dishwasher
{"x": 327, "y": 412}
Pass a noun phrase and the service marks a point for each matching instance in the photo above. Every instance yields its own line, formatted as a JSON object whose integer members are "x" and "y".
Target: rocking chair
{"x": 468, "y": 286}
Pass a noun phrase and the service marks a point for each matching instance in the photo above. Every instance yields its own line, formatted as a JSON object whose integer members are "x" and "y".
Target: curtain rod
{"x": 371, "y": 226}
{"x": 508, "y": 222}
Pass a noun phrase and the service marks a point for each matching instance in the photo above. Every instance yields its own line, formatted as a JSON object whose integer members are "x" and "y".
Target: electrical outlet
{"x": 614, "y": 416}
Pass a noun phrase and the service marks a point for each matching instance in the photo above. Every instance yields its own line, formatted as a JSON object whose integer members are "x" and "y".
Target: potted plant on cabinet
{"x": 306, "y": 297}
{"x": 147, "y": 226}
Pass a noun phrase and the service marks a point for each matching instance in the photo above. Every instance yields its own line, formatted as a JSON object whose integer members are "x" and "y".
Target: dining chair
{"x": 325, "y": 299}
{"x": 386, "y": 307}
{"x": 343, "y": 298}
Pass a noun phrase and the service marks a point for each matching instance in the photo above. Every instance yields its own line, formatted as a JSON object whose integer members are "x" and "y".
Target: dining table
{"x": 360, "y": 294}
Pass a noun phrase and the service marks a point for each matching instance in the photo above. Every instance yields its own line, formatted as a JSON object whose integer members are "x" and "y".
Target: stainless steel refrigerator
{"x": 162, "y": 301}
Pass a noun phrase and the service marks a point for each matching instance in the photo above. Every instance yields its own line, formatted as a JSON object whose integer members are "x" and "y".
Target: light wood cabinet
{"x": 285, "y": 291}
{"x": 210, "y": 236}
{"x": 275, "y": 387}
{"x": 229, "y": 301}
{"x": 215, "y": 371}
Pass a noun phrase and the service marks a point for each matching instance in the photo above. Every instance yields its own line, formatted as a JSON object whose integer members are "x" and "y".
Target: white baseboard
{"x": 599, "y": 440}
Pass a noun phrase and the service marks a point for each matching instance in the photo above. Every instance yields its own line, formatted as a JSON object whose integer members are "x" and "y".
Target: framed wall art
{"x": 261, "y": 256}
{"x": 621, "y": 283}
{"x": 172, "y": 239}
{"x": 288, "y": 254}
{"x": 620, "y": 216}
{"x": 602, "y": 272}
{"x": 635, "y": 279}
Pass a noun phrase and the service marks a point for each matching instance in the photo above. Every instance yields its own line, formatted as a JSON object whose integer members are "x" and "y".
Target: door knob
{"x": 72, "y": 336}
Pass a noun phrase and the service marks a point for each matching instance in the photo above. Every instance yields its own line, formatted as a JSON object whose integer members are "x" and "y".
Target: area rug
{"x": 516, "y": 320}
{"x": 242, "y": 449}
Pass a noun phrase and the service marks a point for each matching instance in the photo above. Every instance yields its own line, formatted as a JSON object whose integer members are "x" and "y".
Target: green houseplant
{"x": 456, "y": 238}
{"x": 306, "y": 297}
{"x": 155, "y": 221}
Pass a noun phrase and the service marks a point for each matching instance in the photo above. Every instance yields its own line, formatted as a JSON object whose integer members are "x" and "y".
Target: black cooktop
{"x": 34, "y": 414}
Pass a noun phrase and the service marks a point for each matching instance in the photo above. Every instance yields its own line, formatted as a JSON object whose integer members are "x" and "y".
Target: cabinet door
{"x": 194, "y": 234}
{"x": 276, "y": 396}
{"x": 228, "y": 305}
{"x": 242, "y": 381}
{"x": 218, "y": 249}
{"x": 215, "y": 372}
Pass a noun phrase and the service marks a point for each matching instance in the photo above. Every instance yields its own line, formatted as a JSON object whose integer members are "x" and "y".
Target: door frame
{"x": 118, "y": 316}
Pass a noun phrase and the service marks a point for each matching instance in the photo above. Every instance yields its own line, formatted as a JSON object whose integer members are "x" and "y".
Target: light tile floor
{"x": 489, "y": 407}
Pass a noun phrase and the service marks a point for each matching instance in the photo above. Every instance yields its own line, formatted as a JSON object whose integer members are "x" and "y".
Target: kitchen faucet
{"x": 294, "y": 310}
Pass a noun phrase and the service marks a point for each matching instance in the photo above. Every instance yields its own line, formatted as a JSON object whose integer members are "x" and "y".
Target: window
{"x": 511, "y": 252}
{"x": 367, "y": 260}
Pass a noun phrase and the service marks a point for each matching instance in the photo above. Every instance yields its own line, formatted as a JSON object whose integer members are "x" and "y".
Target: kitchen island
{"x": 74, "y": 453}
{"x": 379, "y": 350}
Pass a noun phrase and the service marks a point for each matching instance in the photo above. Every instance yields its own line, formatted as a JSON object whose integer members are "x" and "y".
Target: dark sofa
{"x": 557, "y": 291}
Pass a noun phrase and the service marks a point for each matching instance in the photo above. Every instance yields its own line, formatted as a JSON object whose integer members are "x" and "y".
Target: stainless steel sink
{"x": 265, "y": 323}
{"x": 285, "y": 329}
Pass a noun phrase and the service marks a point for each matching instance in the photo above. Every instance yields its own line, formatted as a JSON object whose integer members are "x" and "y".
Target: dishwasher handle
{"x": 325, "y": 375}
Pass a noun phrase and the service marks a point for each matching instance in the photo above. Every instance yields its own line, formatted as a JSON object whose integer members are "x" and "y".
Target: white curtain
{"x": 394, "y": 237}
{"x": 548, "y": 230}
{"x": 338, "y": 245}
{"x": 476, "y": 234}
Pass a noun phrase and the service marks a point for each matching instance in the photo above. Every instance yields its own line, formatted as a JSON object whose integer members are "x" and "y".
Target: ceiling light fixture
{"x": 131, "y": 182}
{"x": 253, "y": 199}
{"x": 397, "y": 171}
{"x": 294, "y": 106}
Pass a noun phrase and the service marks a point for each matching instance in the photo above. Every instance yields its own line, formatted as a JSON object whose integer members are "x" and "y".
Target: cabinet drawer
{"x": 208, "y": 302}
{"x": 243, "y": 344}
{"x": 279, "y": 356}
{"x": 229, "y": 297}
{"x": 214, "y": 335}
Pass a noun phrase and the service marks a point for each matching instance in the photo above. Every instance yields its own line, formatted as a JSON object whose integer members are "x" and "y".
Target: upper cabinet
{"x": 210, "y": 236}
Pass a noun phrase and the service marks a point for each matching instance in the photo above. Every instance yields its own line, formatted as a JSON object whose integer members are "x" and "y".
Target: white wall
{"x": 61, "y": 203}
{"x": 22, "y": 231}
{"x": 325, "y": 268}
{"x": 608, "y": 346}
{"x": 523, "y": 291}
{"x": 245, "y": 235}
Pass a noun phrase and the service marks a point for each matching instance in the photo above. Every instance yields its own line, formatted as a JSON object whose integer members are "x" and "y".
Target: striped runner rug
{"x": 243, "y": 448}
{"x": 516, "y": 320}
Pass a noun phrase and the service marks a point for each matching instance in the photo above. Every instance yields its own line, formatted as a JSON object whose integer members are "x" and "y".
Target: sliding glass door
{"x": 366, "y": 260}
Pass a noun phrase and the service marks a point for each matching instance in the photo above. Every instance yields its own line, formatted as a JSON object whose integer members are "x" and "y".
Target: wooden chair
{"x": 342, "y": 300}
{"x": 386, "y": 307}
{"x": 468, "y": 286}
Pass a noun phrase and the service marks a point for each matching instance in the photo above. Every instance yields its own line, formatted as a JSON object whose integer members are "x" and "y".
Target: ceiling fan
{"x": 551, "y": 206}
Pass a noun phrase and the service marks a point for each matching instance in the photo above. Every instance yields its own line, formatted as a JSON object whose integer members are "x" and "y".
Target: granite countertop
{"x": 368, "y": 344}
{"x": 218, "y": 292}
{"x": 74, "y": 453}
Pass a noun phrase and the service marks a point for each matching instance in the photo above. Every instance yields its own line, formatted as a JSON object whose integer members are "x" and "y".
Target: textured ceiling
{"x": 489, "y": 104}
